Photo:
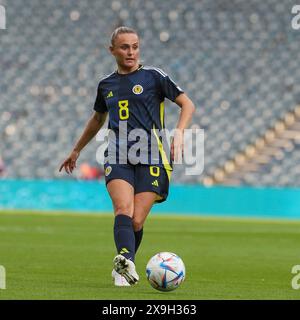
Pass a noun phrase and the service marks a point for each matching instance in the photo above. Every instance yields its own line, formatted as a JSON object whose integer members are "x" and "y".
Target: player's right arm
{"x": 93, "y": 126}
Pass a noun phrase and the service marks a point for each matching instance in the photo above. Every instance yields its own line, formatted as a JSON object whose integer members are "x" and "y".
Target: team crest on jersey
{"x": 108, "y": 171}
{"x": 137, "y": 89}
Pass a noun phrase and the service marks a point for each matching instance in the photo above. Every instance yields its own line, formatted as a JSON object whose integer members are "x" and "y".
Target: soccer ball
{"x": 165, "y": 271}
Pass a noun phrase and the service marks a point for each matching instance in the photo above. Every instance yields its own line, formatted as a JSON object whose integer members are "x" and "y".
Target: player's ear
{"x": 111, "y": 49}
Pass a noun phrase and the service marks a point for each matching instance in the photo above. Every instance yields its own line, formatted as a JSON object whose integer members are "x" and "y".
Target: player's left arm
{"x": 187, "y": 109}
{"x": 185, "y": 117}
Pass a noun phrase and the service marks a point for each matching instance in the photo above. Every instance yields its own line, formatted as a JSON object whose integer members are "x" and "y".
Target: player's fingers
{"x": 172, "y": 151}
{"x": 175, "y": 154}
{"x": 63, "y": 166}
{"x": 68, "y": 167}
{"x": 72, "y": 165}
{"x": 178, "y": 153}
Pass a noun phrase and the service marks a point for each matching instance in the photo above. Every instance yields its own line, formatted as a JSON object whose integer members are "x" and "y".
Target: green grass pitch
{"x": 69, "y": 256}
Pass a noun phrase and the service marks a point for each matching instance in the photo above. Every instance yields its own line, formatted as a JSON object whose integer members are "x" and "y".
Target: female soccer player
{"x": 133, "y": 98}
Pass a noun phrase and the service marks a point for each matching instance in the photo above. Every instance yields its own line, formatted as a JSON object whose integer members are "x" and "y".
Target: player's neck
{"x": 122, "y": 70}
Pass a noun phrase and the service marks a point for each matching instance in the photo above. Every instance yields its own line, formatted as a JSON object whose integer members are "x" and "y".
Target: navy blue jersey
{"x": 137, "y": 101}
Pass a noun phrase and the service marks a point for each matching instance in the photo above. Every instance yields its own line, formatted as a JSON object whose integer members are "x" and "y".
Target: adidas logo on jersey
{"x": 110, "y": 94}
{"x": 155, "y": 183}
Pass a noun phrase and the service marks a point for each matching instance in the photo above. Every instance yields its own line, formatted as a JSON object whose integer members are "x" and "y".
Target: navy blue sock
{"x": 138, "y": 238}
{"x": 124, "y": 236}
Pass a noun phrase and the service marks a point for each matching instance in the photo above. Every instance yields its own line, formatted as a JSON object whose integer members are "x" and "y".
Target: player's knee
{"x": 137, "y": 223}
{"x": 124, "y": 208}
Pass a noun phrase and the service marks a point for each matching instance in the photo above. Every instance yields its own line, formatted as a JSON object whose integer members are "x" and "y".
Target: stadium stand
{"x": 239, "y": 64}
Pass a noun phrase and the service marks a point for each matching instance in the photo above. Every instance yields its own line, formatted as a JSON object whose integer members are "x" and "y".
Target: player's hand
{"x": 177, "y": 146}
{"x": 70, "y": 163}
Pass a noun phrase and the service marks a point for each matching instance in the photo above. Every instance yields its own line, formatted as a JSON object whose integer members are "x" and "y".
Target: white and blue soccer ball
{"x": 165, "y": 271}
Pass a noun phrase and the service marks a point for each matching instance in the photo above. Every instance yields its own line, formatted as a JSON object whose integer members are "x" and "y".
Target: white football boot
{"x": 126, "y": 268}
{"x": 119, "y": 280}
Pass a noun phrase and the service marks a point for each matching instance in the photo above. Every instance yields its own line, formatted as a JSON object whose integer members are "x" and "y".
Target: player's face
{"x": 126, "y": 51}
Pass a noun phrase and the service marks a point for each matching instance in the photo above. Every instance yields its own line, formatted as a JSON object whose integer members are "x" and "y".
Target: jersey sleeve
{"x": 100, "y": 105}
{"x": 169, "y": 88}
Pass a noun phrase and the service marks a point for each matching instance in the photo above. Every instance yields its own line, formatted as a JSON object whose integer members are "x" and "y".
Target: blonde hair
{"x": 121, "y": 30}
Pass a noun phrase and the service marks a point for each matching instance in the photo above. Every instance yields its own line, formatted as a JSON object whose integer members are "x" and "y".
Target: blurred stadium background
{"x": 237, "y": 60}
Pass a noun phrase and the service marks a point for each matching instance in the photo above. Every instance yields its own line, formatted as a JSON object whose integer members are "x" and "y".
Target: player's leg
{"x": 122, "y": 195}
{"x": 143, "y": 203}
{"x": 120, "y": 182}
{"x": 151, "y": 185}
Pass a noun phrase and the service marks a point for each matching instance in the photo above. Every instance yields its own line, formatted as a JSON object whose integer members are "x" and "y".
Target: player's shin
{"x": 138, "y": 239}
{"x": 124, "y": 236}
